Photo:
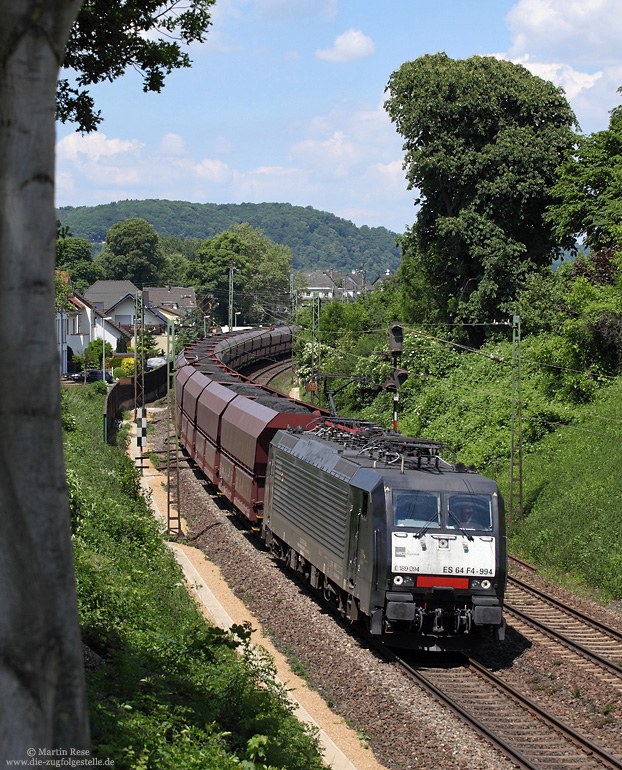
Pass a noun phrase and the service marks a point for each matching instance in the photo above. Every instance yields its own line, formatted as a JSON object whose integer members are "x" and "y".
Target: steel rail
{"x": 571, "y": 735}
{"x": 617, "y": 635}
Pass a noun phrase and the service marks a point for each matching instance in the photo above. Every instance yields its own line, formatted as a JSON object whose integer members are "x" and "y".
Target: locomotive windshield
{"x": 431, "y": 510}
{"x": 469, "y": 511}
{"x": 414, "y": 508}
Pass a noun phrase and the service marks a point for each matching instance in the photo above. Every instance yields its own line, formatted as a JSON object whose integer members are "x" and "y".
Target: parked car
{"x": 90, "y": 375}
{"x": 153, "y": 363}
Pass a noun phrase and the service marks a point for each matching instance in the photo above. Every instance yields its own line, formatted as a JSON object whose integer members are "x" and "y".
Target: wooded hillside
{"x": 318, "y": 240}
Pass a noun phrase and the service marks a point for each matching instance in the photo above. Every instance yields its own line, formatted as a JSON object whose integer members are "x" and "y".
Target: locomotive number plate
{"x": 443, "y": 556}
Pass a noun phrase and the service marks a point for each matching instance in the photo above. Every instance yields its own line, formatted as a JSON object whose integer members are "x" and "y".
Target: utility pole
{"x": 173, "y": 502}
{"x": 231, "y": 272}
{"x": 516, "y": 474}
{"x": 139, "y": 379}
{"x": 315, "y": 330}
{"x": 139, "y": 367}
{"x": 292, "y": 297}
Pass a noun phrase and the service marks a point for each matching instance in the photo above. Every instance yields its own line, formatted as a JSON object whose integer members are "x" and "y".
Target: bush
{"x": 119, "y": 372}
{"x": 128, "y": 367}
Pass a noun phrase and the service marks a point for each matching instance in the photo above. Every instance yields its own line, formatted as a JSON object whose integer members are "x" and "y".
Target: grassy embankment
{"x": 169, "y": 690}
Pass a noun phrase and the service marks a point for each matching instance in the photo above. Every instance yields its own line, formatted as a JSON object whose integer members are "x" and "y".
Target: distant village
{"x": 107, "y": 311}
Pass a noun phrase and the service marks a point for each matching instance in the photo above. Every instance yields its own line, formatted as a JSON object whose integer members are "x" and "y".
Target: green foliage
{"x": 91, "y": 358}
{"x": 71, "y": 250}
{"x": 110, "y": 36}
{"x": 75, "y": 255}
{"x": 483, "y": 139}
{"x": 132, "y": 253}
{"x": 260, "y": 278}
{"x": 171, "y": 691}
{"x": 572, "y": 498}
{"x": 539, "y": 301}
{"x": 589, "y": 189}
{"x": 318, "y": 240}
{"x": 62, "y": 292}
{"x": 146, "y": 344}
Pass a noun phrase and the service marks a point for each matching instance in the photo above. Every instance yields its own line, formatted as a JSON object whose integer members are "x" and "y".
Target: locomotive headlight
{"x": 398, "y": 580}
{"x": 485, "y": 584}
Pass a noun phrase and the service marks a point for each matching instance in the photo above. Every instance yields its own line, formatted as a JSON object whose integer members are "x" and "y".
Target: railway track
{"x": 269, "y": 373}
{"x": 578, "y": 638}
{"x": 531, "y": 737}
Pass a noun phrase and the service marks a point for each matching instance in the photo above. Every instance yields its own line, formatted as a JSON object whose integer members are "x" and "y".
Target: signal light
{"x": 396, "y": 338}
{"x": 398, "y": 378}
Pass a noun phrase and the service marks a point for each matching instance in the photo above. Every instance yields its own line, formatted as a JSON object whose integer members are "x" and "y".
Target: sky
{"x": 284, "y": 101}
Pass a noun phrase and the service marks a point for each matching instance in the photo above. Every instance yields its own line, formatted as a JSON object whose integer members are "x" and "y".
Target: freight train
{"x": 410, "y": 544}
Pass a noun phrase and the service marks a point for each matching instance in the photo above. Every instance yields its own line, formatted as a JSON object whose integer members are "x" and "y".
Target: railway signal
{"x": 398, "y": 378}
{"x": 396, "y": 338}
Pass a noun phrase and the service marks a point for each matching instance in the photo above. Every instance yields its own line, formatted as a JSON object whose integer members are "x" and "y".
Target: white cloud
{"x": 93, "y": 147}
{"x": 574, "y": 30}
{"x": 572, "y": 81}
{"x": 336, "y": 154}
{"x": 390, "y": 177}
{"x": 172, "y": 144}
{"x": 575, "y": 44}
{"x": 214, "y": 171}
{"x": 563, "y": 75}
{"x": 272, "y": 183}
{"x": 353, "y": 44}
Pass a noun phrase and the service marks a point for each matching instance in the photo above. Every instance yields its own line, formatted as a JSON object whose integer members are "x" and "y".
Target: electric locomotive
{"x": 395, "y": 535}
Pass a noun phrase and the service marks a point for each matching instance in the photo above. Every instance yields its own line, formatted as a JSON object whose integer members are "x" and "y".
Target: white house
{"x": 78, "y": 326}
{"x": 333, "y": 284}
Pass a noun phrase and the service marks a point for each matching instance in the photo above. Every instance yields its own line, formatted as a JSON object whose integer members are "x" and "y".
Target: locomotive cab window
{"x": 469, "y": 511}
{"x": 413, "y": 508}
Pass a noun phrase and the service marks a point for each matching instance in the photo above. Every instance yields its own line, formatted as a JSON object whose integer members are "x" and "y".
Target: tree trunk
{"x": 42, "y": 693}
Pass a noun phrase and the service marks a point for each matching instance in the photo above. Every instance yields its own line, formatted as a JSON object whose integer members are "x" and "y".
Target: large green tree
{"x": 483, "y": 139}
{"x": 133, "y": 253}
{"x": 110, "y": 36}
{"x": 76, "y": 256}
{"x": 260, "y": 276}
{"x": 266, "y": 292}
{"x": 589, "y": 189}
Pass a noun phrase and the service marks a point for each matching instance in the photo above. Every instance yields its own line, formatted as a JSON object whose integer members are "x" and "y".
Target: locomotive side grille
{"x": 319, "y": 512}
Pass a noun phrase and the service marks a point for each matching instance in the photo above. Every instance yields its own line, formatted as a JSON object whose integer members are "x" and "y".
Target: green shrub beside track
{"x": 166, "y": 689}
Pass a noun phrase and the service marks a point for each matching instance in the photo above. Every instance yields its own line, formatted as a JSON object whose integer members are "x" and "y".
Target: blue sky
{"x": 284, "y": 101}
